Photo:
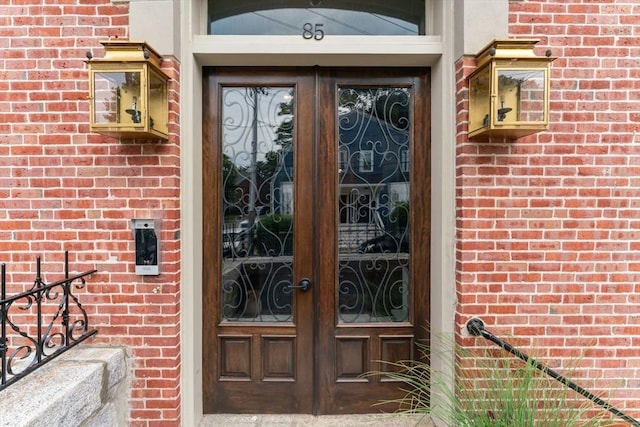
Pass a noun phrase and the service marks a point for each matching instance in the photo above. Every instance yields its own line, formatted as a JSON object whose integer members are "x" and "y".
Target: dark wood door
{"x": 316, "y": 236}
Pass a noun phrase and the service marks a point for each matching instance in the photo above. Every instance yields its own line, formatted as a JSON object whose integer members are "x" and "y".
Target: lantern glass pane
{"x": 479, "y": 99}
{"x": 521, "y": 96}
{"x": 117, "y": 97}
{"x": 158, "y": 103}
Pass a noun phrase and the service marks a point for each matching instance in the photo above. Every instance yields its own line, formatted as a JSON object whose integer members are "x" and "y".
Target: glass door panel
{"x": 257, "y": 231}
{"x": 374, "y": 128}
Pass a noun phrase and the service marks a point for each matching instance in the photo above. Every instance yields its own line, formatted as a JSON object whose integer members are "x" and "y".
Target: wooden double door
{"x": 316, "y": 236}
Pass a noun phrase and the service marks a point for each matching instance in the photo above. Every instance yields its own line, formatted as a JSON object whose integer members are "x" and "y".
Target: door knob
{"x": 303, "y": 285}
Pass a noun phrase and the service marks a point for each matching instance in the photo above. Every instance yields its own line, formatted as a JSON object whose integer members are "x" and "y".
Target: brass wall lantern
{"x": 509, "y": 90}
{"x": 128, "y": 92}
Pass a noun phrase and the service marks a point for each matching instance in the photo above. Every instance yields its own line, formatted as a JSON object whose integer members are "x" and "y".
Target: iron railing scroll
{"x": 476, "y": 328}
{"x": 41, "y": 323}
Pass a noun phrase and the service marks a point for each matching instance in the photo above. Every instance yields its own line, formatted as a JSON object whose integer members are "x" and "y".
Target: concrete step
{"x": 301, "y": 420}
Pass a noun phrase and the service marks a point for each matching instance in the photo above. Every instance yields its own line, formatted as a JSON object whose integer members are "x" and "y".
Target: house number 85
{"x": 312, "y": 31}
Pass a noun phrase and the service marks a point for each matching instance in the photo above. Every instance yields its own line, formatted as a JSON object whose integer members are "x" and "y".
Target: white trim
{"x": 443, "y": 212}
{"x": 191, "y": 381}
{"x": 401, "y": 51}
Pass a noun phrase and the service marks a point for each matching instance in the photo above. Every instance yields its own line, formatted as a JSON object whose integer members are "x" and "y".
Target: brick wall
{"x": 548, "y": 226}
{"x": 64, "y": 188}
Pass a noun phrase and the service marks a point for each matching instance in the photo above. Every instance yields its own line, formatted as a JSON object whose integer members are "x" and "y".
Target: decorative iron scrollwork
{"x": 374, "y": 162}
{"x": 41, "y": 323}
{"x": 258, "y": 175}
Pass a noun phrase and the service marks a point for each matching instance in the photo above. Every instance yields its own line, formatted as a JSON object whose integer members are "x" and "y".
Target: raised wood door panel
{"x": 258, "y": 332}
{"x": 346, "y": 170}
{"x": 354, "y": 338}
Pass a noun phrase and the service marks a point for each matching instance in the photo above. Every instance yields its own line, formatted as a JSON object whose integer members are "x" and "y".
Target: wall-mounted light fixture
{"x": 128, "y": 91}
{"x": 509, "y": 90}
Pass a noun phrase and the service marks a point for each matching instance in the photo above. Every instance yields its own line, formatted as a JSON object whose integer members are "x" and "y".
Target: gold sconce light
{"x": 128, "y": 92}
{"x": 509, "y": 90}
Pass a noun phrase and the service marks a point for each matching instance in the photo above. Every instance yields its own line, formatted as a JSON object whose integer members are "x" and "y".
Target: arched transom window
{"x": 316, "y": 18}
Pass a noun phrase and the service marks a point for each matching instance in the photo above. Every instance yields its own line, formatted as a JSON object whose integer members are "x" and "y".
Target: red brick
{"x": 61, "y": 208}
{"x": 576, "y": 191}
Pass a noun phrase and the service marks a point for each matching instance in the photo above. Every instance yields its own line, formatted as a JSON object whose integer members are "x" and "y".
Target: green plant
{"x": 491, "y": 389}
{"x": 399, "y": 217}
{"x": 274, "y": 235}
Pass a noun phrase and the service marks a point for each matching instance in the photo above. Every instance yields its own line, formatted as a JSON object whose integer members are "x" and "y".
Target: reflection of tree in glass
{"x": 390, "y": 105}
{"x": 229, "y": 174}
{"x": 258, "y": 125}
{"x": 277, "y": 164}
{"x": 274, "y": 160}
{"x": 284, "y": 133}
{"x": 266, "y": 169}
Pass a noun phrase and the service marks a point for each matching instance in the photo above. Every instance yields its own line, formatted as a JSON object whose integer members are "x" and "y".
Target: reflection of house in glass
{"x": 372, "y": 206}
{"x": 257, "y": 133}
{"x": 373, "y": 164}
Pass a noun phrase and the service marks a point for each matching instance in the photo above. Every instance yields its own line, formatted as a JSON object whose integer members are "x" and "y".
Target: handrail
{"x": 60, "y": 323}
{"x": 476, "y": 328}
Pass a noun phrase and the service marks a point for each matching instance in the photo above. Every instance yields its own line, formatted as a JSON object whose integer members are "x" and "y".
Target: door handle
{"x": 304, "y": 285}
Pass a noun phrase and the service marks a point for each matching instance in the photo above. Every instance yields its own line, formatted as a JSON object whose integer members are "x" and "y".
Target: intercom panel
{"x": 146, "y": 233}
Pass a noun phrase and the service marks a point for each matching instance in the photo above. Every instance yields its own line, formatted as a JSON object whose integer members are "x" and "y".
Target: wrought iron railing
{"x": 476, "y": 328}
{"x": 41, "y": 323}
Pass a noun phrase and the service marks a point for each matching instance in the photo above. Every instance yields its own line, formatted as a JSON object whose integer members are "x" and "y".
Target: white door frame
{"x": 198, "y": 51}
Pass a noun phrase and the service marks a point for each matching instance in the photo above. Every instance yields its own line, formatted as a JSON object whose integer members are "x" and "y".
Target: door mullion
{"x": 326, "y": 230}
{"x": 304, "y": 250}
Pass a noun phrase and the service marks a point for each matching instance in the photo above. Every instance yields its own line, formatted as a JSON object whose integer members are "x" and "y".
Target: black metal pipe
{"x": 476, "y": 328}
{"x": 65, "y": 300}
{"x": 3, "y": 325}
{"x": 39, "y": 295}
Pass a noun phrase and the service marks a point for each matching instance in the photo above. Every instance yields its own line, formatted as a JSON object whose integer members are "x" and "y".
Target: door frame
{"x": 420, "y": 220}
{"x": 198, "y": 51}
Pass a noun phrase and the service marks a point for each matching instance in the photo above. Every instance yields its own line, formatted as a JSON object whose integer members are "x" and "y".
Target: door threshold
{"x": 300, "y": 420}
